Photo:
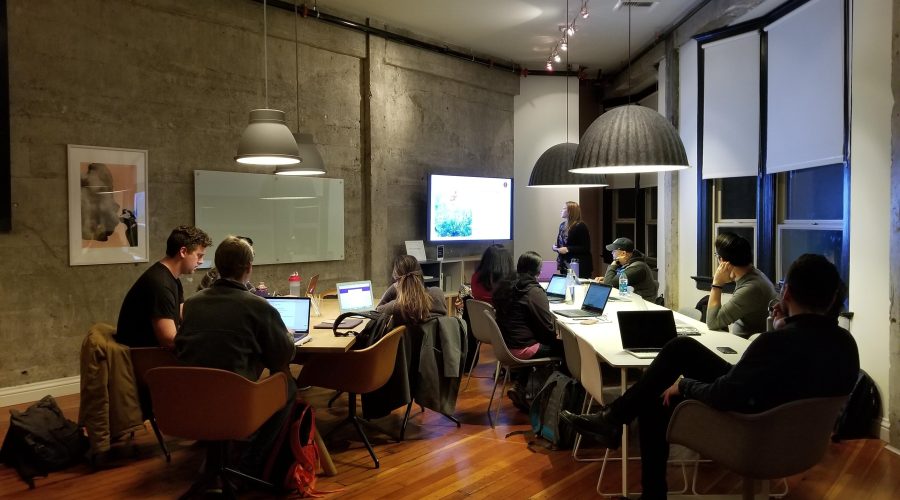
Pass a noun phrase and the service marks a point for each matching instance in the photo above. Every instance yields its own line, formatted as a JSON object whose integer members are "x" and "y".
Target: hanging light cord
{"x": 266, "y": 52}
{"x": 297, "y": 64}
{"x": 629, "y": 53}
{"x": 567, "y": 81}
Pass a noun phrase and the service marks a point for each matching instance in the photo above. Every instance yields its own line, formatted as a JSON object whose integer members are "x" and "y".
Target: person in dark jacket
{"x": 574, "y": 242}
{"x": 640, "y": 276}
{"x": 524, "y": 318}
{"x": 807, "y": 355}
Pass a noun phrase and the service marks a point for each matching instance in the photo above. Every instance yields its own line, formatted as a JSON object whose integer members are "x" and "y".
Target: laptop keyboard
{"x": 686, "y": 330}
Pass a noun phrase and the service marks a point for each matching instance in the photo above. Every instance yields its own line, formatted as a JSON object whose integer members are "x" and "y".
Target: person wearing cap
{"x": 748, "y": 307}
{"x": 573, "y": 242}
{"x": 639, "y": 274}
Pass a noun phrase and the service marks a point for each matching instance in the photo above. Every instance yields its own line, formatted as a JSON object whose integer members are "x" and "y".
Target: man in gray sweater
{"x": 748, "y": 307}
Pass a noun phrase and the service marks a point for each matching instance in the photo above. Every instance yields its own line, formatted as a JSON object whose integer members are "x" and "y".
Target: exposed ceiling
{"x": 523, "y": 31}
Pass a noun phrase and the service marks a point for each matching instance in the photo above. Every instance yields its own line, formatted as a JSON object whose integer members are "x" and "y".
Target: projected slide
{"x": 469, "y": 208}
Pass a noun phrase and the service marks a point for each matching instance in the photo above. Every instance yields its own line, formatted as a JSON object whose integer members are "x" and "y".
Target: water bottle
{"x": 294, "y": 284}
{"x": 623, "y": 282}
{"x": 262, "y": 290}
{"x": 573, "y": 265}
{"x": 570, "y": 286}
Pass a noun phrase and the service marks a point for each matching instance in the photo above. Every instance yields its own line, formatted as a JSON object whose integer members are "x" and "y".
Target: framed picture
{"x": 107, "y": 205}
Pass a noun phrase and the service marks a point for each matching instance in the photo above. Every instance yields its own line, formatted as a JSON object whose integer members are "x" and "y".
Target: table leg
{"x": 624, "y": 440}
{"x": 328, "y": 467}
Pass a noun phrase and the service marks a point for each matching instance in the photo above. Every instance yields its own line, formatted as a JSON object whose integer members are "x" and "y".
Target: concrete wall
{"x": 178, "y": 79}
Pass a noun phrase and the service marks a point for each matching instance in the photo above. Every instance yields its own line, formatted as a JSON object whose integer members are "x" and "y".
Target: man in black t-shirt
{"x": 151, "y": 311}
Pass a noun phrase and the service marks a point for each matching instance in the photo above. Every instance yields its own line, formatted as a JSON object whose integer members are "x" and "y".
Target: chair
{"x": 506, "y": 359}
{"x": 143, "y": 359}
{"x": 479, "y": 331}
{"x": 776, "y": 443}
{"x": 207, "y": 404}
{"x": 354, "y": 372}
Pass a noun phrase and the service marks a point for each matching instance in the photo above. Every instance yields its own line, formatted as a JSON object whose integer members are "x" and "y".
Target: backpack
{"x": 560, "y": 392}
{"x": 378, "y": 325}
{"x": 294, "y": 458}
{"x": 41, "y": 440}
{"x": 858, "y": 416}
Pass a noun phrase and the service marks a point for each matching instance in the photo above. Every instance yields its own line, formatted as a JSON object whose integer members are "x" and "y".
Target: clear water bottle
{"x": 623, "y": 282}
{"x": 570, "y": 286}
{"x": 573, "y": 265}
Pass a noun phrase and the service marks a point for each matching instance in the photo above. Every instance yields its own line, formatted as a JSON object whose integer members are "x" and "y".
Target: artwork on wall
{"x": 107, "y": 205}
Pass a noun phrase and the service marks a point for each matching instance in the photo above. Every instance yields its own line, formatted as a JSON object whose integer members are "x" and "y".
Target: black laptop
{"x": 594, "y": 302}
{"x": 644, "y": 333}
{"x": 556, "y": 289}
{"x": 294, "y": 312}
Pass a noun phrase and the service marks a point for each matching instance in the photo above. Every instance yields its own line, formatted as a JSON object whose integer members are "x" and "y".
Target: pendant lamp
{"x": 310, "y": 159}
{"x": 267, "y": 140}
{"x": 630, "y": 139}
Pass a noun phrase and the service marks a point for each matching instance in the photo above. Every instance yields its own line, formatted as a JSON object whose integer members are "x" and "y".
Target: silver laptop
{"x": 594, "y": 302}
{"x": 556, "y": 289}
{"x": 355, "y": 296}
{"x": 644, "y": 333}
{"x": 294, "y": 313}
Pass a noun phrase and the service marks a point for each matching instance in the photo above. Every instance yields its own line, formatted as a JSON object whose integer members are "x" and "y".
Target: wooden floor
{"x": 437, "y": 460}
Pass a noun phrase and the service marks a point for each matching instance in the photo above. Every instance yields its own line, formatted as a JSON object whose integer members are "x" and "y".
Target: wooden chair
{"x": 354, "y": 372}
{"x": 777, "y": 443}
{"x": 506, "y": 359}
{"x": 479, "y": 331}
{"x": 143, "y": 359}
{"x": 207, "y": 404}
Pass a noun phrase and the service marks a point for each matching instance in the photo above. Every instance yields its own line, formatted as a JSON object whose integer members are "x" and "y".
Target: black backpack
{"x": 859, "y": 415}
{"x": 378, "y": 325}
{"x": 560, "y": 392}
{"x": 41, "y": 440}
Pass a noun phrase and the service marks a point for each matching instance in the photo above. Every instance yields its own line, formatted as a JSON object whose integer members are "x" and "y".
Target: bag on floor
{"x": 41, "y": 440}
{"x": 858, "y": 418}
{"x": 560, "y": 392}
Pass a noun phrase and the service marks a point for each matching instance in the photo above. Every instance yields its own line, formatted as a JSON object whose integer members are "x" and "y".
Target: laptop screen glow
{"x": 294, "y": 312}
{"x": 596, "y": 297}
{"x": 355, "y": 296}
{"x": 557, "y": 286}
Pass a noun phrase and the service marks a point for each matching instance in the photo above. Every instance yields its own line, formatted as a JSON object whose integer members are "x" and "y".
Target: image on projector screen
{"x": 470, "y": 208}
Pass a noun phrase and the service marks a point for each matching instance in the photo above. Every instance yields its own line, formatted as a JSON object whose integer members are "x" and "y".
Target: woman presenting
{"x": 573, "y": 241}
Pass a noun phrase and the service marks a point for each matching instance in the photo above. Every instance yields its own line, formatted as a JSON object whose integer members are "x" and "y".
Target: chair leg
{"x": 211, "y": 474}
{"x": 331, "y": 401}
{"x": 491, "y": 401}
{"x": 159, "y": 437}
{"x": 502, "y": 392}
{"x": 472, "y": 366}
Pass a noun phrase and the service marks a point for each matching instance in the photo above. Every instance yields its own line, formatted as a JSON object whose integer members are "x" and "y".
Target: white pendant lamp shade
{"x": 551, "y": 170}
{"x": 267, "y": 140}
{"x": 630, "y": 139}
{"x": 310, "y": 160}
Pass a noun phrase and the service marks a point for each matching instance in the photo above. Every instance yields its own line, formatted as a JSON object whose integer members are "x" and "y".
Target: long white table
{"x": 606, "y": 341}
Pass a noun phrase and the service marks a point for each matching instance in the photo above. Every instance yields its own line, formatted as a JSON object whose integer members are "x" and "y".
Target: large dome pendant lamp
{"x": 267, "y": 140}
{"x": 630, "y": 139}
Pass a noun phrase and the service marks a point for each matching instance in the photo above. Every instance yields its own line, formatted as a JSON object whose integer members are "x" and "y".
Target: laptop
{"x": 548, "y": 269}
{"x": 556, "y": 289}
{"x": 355, "y": 296}
{"x": 644, "y": 333}
{"x": 594, "y": 302}
{"x": 294, "y": 313}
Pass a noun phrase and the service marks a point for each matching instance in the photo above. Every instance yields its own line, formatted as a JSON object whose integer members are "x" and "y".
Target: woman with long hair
{"x": 496, "y": 264}
{"x": 407, "y": 298}
{"x": 573, "y": 241}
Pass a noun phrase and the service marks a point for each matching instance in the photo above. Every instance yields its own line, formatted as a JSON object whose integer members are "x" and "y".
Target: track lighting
{"x": 584, "y": 13}
{"x": 564, "y": 45}
{"x": 570, "y": 29}
{"x": 549, "y": 66}
{"x": 556, "y": 57}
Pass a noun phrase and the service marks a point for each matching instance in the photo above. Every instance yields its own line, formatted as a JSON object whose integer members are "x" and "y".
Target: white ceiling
{"x": 522, "y": 31}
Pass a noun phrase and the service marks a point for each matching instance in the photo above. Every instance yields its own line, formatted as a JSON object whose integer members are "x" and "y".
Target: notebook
{"x": 294, "y": 312}
{"x": 644, "y": 333}
{"x": 548, "y": 269}
{"x": 355, "y": 296}
{"x": 556, "y": 289}
{"x": 594, "y": 302}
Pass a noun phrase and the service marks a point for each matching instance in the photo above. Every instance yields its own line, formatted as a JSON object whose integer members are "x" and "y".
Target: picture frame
{"x": 107, "y": 205}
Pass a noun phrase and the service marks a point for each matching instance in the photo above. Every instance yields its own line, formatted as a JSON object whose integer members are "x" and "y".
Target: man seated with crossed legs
{"x": 807, "y": 355}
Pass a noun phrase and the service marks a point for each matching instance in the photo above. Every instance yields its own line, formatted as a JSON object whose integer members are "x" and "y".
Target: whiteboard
{"x": 289, "y": 219}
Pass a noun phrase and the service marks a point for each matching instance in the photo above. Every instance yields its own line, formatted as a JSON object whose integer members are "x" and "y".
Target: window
{"x": 650, "y": 204}
{"x": 624, "y": 213}
{"x": 735, "y": 210}
{"x": 810, "y": 219}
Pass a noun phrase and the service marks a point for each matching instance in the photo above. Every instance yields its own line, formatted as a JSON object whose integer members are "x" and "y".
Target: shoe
{"x": 518, "y": 400}
{"x": 599, "y": 426}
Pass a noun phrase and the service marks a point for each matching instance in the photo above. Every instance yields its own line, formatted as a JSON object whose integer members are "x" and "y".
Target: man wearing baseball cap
{"x": 632, "y": 262}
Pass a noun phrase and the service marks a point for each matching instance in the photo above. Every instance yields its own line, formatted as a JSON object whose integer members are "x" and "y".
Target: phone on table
{"x": 726, "y": 350}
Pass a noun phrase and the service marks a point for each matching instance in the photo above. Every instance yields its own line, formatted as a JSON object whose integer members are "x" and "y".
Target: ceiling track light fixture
{"x": 267, "y": 140}
{"x": 567, "y": 30}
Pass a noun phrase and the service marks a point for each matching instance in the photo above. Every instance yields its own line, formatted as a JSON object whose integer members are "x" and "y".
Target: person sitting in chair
{"x": 753, "y": 291}
{"x": 807, "y": 356}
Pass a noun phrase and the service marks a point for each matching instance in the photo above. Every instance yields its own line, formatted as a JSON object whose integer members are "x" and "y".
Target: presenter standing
{"x": 573, "y": 241}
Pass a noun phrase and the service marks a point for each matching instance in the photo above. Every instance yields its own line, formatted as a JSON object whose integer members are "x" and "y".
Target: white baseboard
{"x": 30, "y": 393}
{"x": 884, "y": 431}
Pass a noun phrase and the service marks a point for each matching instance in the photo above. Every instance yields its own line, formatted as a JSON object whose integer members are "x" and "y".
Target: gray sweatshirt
{"x": 748, "y": 306}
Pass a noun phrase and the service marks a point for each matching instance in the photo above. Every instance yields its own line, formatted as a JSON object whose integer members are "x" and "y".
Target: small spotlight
{"x": 557, "y": 58}
{"x": 570, "y": 30}
{"x": 564, "y": 46}
{"x": 549, "y": 66}
{"x": 584, "y": 13}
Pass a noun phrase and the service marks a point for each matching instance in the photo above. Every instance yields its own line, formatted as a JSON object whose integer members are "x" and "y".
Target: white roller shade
{"x": 806, "y": 87}
{"x": 731, "y": 107}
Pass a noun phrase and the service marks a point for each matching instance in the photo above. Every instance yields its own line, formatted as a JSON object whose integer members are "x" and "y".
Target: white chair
{"x": 479, "y": 331}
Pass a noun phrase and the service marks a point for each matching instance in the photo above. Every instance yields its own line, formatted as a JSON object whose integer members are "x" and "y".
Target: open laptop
{"x": 644, "y": 333}
{"x": 548, "y": 269}
{"x": 294, "y": 312}
{"x": 355, "y": 296}
{"x": 556, "y": 289}
{"x": 594, "y": 302}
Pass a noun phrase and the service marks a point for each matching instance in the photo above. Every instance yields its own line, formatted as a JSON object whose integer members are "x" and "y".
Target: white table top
{"x": 605, "y": 338}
